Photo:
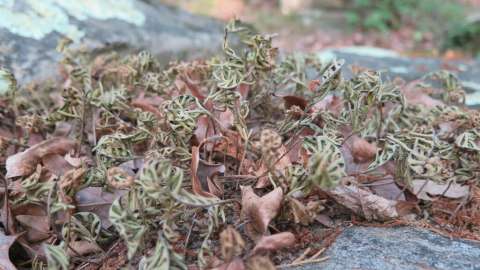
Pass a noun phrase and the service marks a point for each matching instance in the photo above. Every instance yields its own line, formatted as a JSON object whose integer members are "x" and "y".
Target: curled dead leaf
{"x": 119, "y": 178}
{"x": 362, "y": 150}
{"x": 203, "y": 173}
{"x": 259, "y": 211}
{"x": 204, "y": 129}
{"x": 274, "y": 242}
{"x": 24, "y": 163}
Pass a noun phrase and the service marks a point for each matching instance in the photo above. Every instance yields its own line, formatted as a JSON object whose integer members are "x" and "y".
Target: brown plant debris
{"x": 226, "y": 163}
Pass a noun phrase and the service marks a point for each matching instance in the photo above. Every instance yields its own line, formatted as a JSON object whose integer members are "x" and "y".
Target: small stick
{"x": 303, "y": 256}
{"x": 282, "y": 266}
{"x": 316, "y": 255}
{"x": 189, "y": 233}
{"x": 6, "y": 203}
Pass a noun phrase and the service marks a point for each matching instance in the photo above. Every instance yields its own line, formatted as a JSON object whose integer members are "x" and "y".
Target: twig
{"x": 6, "y": 202}
{"x": 380, "y": 126}
{"x": 303, "y": 263}
{"x": 189, "y": 233}
{"x": 316, "y": 255}
{"x": 457, "y": 209}
{"x": 94, "y": 127}
{"x": 303, "y": 256}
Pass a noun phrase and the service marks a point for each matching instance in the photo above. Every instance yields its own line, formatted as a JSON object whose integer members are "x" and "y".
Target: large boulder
{"x": 31, "y": 29}
{"x": 369, "y": 248}
{"x": 409, "y": 68}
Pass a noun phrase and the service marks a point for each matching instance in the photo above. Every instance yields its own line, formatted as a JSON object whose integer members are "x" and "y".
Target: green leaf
{"x": 382, "y": 157}
{"x": 128, "y": 225}
{"x": 159, "y": 260}
{"x": 326, "y": 163}
{"x": 57, "y": 258}
{"x": 467, "y": 140}
{"x": 8, "y": 83}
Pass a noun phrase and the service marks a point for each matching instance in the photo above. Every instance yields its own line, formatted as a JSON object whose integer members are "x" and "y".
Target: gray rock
{"x": 397, "y": 248}
{"x": 30, "y": 30}
{"x": 409, "y": 68}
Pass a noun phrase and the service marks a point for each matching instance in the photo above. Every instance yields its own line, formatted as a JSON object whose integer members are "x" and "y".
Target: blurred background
{"x": 441, "y": 28}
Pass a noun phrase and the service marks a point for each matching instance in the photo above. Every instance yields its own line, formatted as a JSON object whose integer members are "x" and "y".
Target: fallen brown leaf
{"x": 304, "y": 214}
{"x": 37, "y": 227}
{"x": 260, "y": 263}
{"x": 56, "y": 164}
{"x": 274, "y": 242}
{"x": 330, "y": 103}
{"x": 6, "y": 215}
{"x": 325, "y": 220}
{"x": 24, "y": 163}
{"x": 387, "y": 189}
{"x": 184, "y": 83}
{"x": 75, "y": 161}
{"x": 231, "y": 146}
{"x": 145, "y": 105}
{"x": 295, "y": 101}
{"x": 82, "y": 247}
{"x": 280, "y": 165}
{"x": 244, "y": 89}
{"x": 95, "y": 200}
{"x": 259, "y": 211}
{"x": 417, "y": 96}
{"x": 362, "y": 150}
{"x": 204, "y": 129}
{"x": 424, "y": 189}
{"x": 226, "y": 119}
{"x": 231, "y": 243}
{"x": 5, "y": 244}
{"x": 236, "y": 264}
{"x": 363, "y": 202}
{"x": 203, "y": 183}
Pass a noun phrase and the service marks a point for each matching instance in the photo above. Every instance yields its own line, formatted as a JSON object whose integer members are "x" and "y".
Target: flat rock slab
{"x": 369, "y": 248}
{"x": 31, "y": 29}
{"x": 409, "y": 68}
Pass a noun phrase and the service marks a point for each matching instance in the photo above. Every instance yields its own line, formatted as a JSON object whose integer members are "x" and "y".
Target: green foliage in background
{"x": 384, "y": 15}
{"x": 465, "y": 36}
